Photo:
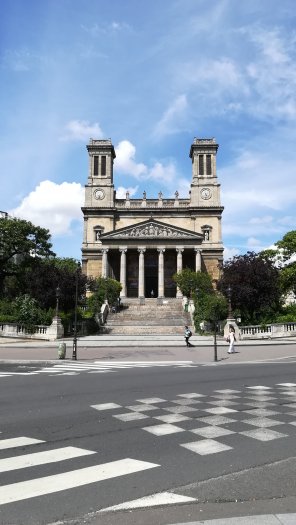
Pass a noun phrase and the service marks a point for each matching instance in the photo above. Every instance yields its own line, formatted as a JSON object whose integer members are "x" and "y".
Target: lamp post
{"x": 215, "y": 339}
{"x": 74, "y": 354}
{"x": 229, "y": 292}
{"x": 58, "y": 295}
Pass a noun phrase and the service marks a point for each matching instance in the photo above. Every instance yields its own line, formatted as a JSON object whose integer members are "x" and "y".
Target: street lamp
{"x": 58, "y": 295}
{"x": 191, "y": 283}
{"x": 74, "y": 354}
{"x": 229, "y": 292}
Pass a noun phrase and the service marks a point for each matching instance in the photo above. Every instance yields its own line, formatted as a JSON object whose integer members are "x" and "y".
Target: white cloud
{"x": 230, "y": 252}
{"x": 254, "y": 244}
{"x": 121, "y": 192}
{"x": 125, "y": 160}
{"x": 53, "y": 206}
{"x": 267, "y": 219}
{"x": 162, "y": 173}
{"x": 97, "y": 30}
{"x": 173, "y": 119}
{"x": 82, "y": 130}
{"x": 125, "y": 163}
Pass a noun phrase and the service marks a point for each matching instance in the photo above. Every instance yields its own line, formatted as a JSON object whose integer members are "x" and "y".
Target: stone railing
{"x": 268, "y": 331}
{"x": 139, "y": 203}
{"x": 48, "y": 333}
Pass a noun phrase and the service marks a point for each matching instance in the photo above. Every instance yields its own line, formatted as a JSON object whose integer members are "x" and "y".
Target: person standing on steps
{"x": 187, "y": 335}
{"x": 231, "y": 340}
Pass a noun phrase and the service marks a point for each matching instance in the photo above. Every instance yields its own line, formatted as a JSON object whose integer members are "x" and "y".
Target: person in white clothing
{"x": 231, "y": 339}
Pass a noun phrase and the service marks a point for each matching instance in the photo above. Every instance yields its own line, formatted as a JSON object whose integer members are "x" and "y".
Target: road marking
{"x": 163, "y": 498}
{"x": 106, "y": 406}
{"x": 18, "y": 442}
{"x": 206, "y": 446}
{"x": 163, "y": 430}
{"x": 69, "y": 480}
{"x": 41, "y": 458}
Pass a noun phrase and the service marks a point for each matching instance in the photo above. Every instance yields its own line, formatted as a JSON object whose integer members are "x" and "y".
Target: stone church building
{"x": 143, "y": 242}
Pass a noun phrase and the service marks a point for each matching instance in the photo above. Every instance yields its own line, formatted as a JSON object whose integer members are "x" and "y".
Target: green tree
{"x": 283, "y": 257}
{"x": 103, "y": 289}
{"x": 191, "y": 282}
{"x": 43, "y": 278}
{"x": 215, "y": 308}
{"x": 20, "y": 243}
{"x": 287, "y": 245}
{"x": 255, "y": 286}
{"x": 28, "y": 313}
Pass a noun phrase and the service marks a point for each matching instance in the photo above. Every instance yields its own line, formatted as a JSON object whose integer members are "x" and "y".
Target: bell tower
{"x": 99, "y": 191}
{"x": 205, "y": 189}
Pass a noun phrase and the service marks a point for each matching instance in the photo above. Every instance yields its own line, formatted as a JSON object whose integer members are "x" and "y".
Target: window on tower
{"x": 103, "y": 165}
{"x": 96, "y": 165}
{"x": 209, "y": 164}
{"x": 201, "y": 164}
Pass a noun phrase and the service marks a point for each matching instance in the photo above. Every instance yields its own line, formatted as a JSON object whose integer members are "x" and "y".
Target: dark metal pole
{"x": 229, "y": 290}
{"x": 74, "y": 354}
{"x": 58, "y": 295}
{"x": 215, "y": 341}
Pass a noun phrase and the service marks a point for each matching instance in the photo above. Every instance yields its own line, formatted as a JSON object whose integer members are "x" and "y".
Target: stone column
{"x": 160, "y": 272}
{"x": 219, "y": 231}
{"x": 197, "y": 259}
{"x": 141, "y": 272}
{"x": 179, "y": 268}
{"x": 123, "y": 271}
{"x": 105, "y": 262}
{"x": 85, "y": 230}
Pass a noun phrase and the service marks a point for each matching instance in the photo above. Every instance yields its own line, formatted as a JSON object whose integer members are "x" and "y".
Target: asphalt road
{"x": 114, "y": 435}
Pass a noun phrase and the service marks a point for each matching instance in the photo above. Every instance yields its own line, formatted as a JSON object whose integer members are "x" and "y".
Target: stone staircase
{"x": 150, "y": 318}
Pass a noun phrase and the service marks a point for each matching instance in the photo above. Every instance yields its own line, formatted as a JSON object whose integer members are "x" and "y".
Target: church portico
{"x": 143, "y": 242}
{"x": 147, "y": 271}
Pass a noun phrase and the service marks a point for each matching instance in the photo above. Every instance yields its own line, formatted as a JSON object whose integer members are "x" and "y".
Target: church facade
{"x": 143, "y": 242}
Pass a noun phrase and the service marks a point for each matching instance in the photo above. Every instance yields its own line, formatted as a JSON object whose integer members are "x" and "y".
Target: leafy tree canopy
{"x": 284, "y": 257}
{"x": 103, "y": 289}
{"x": 288, "y": 245}
{"x": 46, "y": 276}
{"x": 20, "y": 243}
{"x": 194, "y": 283}
{"x": 255, "y": 286}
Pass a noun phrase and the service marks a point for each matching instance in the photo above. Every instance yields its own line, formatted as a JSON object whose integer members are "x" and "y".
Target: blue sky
{"x": 151, "y": 76}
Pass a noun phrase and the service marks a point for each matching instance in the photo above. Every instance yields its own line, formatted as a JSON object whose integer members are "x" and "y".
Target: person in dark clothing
{"x": 187, "y": 335}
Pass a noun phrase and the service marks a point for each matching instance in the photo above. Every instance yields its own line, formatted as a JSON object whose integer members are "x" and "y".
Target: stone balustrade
{"x": 48, "y": 333}
{"x": 268, "y": 331}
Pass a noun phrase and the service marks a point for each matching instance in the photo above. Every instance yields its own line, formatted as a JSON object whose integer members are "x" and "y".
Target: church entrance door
{"x": 151, "y": 274}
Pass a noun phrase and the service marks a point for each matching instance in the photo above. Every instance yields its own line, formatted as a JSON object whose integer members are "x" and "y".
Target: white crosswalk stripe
{"x": 41, "y": 486}
{"x": 18, "y": 442}
{"x": 42, "y": 458}
{"x": 72, "y": 479}
{"x": 99, "y": 367}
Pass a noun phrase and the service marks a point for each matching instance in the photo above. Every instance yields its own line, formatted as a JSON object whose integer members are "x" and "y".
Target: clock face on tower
{"x": 205, "y": 193}
{"x": 99, "y": 194}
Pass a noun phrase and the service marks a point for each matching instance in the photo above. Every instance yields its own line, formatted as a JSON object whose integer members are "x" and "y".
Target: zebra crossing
{"x": 69, "y": 479}
{"x": 73, "y": 368}
{"x": 27, "y": 488}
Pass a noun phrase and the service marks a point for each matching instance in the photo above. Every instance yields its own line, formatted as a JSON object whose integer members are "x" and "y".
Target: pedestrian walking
{"x": 187, "y": 335}
{"x": 231, "y": 340}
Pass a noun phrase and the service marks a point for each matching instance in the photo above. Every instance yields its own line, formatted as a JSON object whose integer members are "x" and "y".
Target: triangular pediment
{"x": 152, "y": 229}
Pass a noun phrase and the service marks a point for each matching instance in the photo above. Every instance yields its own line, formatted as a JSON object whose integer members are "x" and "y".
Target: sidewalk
{"x": 166, "y": 349}
{"x": 267, "y": 519}
{"x": 148, "y": 348}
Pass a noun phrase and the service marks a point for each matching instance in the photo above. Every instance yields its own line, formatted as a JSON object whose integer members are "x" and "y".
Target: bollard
{"x": 62, "y": 350}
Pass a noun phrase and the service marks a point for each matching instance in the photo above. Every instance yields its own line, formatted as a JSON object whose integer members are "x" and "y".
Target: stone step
{"x": 147, "y": 322}
{"x": 150, "y": 318}
{"x": 145, "y": 330}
